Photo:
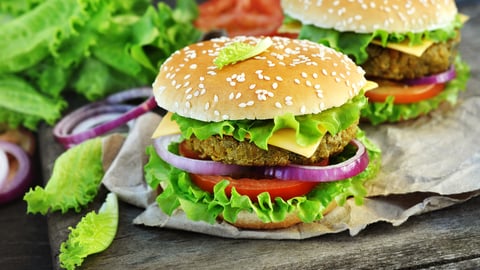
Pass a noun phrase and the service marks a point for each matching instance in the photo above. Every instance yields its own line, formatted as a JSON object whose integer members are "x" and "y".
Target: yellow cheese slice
{"x": 416, "y": 50}
{"x": 284, "y": 138}
{"x": 166, "y": 127}
{"x": 369, "y": 86}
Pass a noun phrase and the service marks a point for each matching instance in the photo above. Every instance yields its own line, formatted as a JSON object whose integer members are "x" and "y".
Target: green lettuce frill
{"x": 179, "y": 191}
{"x": 355, "y": 45}
{"x": 309, "y": 128}
{"x": 381, "y": 112}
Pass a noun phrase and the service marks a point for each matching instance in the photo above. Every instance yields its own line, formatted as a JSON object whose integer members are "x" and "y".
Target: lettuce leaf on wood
{"x": 74, "y": 182}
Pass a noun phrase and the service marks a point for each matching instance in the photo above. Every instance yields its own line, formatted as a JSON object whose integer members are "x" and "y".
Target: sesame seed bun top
{"x": 359, "y": 16}
{"x": 291, "y": 76}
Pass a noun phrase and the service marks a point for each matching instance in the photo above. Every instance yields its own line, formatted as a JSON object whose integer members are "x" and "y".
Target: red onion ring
{"x": 3, "y": 167}
{"x": 346, "y": 169}
{"x": 198, "y": 166}
{"x": 100, "y": 117}
{"x": 340, "y": 171}
{"x": 442, "y": 77}
{"x": 17, "y": 183}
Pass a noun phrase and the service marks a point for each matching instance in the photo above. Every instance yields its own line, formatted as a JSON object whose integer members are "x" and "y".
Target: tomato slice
{"x": 240, "y": 17}
{"x": 253, "y": 187}
{"x": 404, "y": 93}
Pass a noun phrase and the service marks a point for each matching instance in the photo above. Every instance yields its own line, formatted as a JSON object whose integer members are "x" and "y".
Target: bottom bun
{"x": 247, "y": 220}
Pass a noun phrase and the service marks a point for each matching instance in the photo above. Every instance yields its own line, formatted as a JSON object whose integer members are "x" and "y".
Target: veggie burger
{"x": 408, "y": 47}
{"x": 260, "y": 132}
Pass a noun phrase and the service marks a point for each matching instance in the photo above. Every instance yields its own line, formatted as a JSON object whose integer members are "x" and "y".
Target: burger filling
{"x": 392, "y": 64}
{"x": 228, "y": 150}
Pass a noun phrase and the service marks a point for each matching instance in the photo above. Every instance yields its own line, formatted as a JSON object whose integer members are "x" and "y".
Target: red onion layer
{"x": 442, "y": 77}
{"x": 16, "y": 182}
{"x": 348, "y": 168}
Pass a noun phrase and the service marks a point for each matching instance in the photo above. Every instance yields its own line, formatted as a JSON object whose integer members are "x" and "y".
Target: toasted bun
{"x": 246, "y": 220}
{"x": 291, "y": 76}
{"x": 397, "y": 16}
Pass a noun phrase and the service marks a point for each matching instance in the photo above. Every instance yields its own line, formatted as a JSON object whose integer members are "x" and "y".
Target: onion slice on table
{"x": 442, "y": 77}
{"x": 19, "y": 172}
{"x": 100, "y": 117}
{"x": 348, "y": 168}
{"x": 4, "y": 167}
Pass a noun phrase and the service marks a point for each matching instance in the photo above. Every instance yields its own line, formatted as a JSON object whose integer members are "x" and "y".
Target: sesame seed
{"x": 297, "y": 81}
{"x": 278, "y": 78}
{"x": 278, "y": 105}
{"x": 193, "y": 66}
{"x": 274, "y": 85}
{"x": 304, "y": 74}
{"x": 252, "y": 86}
{"x": 207, "y": 106}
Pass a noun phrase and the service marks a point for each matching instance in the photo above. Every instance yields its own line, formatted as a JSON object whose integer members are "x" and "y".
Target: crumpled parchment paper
{"x": 427, "y": 164}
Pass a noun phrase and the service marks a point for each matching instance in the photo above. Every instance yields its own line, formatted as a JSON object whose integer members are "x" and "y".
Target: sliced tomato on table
{"x": 253, "y": 187}
{"x": 240, "y": 17}
{"x": 404, "y": 93}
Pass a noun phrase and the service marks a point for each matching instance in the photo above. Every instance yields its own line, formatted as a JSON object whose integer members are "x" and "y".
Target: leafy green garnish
{"x": 239, "y": 51}
{"x": 74, "y": 183}
{"x": 380, "y": 112}
{"x": 94, "y": 233}
{"x": 88, "y": 46}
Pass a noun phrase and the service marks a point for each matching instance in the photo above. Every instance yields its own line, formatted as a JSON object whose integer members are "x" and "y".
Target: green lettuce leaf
{"x": 381, "y": 112}
{"x": 20, "y": 104}
{"x": 307, "y": 127}
{"x": 93, "y": 234}
{"x": 92, "y": 47}
{"x": 355, "y": 44}
{"x": 239, "y": 51}
{"x": 75, "y": 180}
{"x": 179, "y": 191}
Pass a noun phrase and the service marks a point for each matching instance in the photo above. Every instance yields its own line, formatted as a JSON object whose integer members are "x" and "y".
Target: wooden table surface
{"x": 444, "y": 239}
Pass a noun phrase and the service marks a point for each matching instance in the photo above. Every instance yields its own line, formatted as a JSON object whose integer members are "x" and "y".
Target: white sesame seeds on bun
{"x": 294, "y": 76}
{"x": 360, "y": 16}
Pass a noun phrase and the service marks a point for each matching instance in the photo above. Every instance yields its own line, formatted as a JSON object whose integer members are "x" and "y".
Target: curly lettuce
{"x": 88, "y": 46}
{"x": 309, "y": 128}
{"x": 355, "y": 44}
{"x": 75, "y": 180}
{"x": 93, "y": 234}
{"x": 388, "y": 111}
{"x": 179, "y": 191}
